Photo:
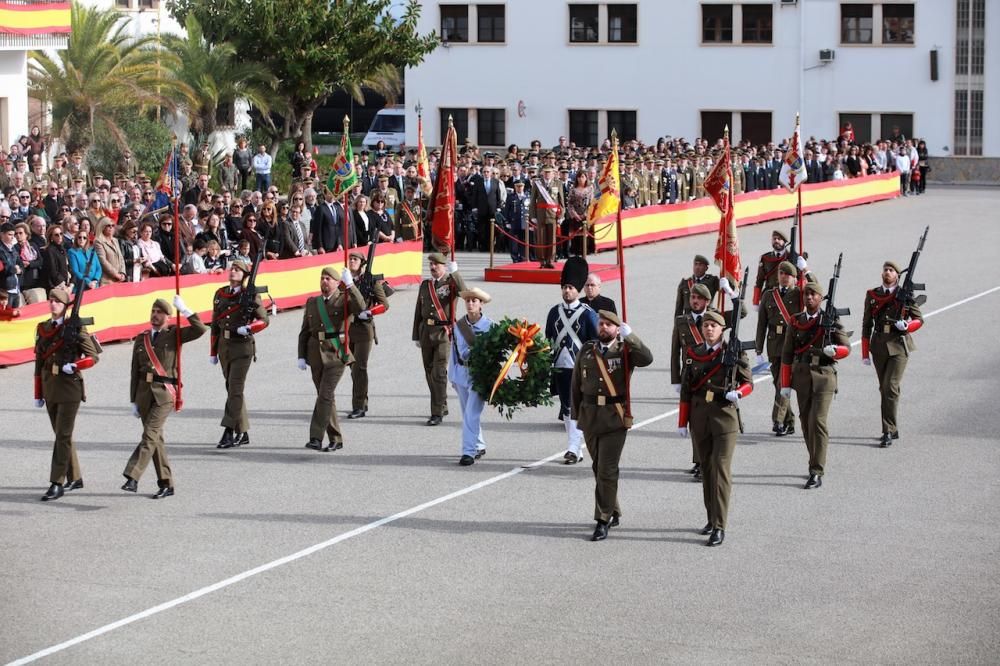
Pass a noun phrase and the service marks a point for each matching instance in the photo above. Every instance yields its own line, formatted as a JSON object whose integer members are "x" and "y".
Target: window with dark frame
{"x": 225, "y": 114}
{"x": 717, "y": 24}
{"x": 491, "y": 130}
{"x": 856, "y": 23}
{"x": 583, "y": 23}
{"x": 904, "y": 121}
{"x": 455, "y": 23}
{"x": 623, "y": 23}
{"x": 757, "y": 24}
{"x": 583, "y": 127}
{"x": 713, "y": 124}
{"x": 897, "y": 24}
{"x": 491, "y": 23}
{"x": 123, "y": 4}
{"x": 756, "y": 126}
{"x": 460, "y": 117}
{"x": 861, "y": 123}
{"x": 623, "y": 122}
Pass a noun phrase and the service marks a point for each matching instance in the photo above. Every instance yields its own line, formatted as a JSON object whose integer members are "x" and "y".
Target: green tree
{"x": 216, "y": 77}
{"x": 103, "y": 75}
{"x": 312, "y": 47}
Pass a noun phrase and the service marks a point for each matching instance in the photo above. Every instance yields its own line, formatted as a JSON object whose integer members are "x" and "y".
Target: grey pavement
{"x": 893, "y": 560}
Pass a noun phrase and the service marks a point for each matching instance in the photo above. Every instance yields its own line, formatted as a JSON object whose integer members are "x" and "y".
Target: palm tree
{"x": 102, "y": 75}
{"x": 215, "y": 77}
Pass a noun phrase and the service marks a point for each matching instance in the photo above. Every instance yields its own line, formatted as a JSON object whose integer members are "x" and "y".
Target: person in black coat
{"x": 55, "y": 263}
{"x": 327, "y": 226}
{"x": 364, "y": 223}
{"x": 592, "y": 295}
{"x": 814, "y": 170}
{"x": 486, "y": 198}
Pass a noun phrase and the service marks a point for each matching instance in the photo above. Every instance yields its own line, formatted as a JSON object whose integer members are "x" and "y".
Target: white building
{"x": 519, "y": 70}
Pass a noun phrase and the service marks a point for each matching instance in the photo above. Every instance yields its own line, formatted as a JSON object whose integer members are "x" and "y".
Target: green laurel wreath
{"x": 487, "y": 357}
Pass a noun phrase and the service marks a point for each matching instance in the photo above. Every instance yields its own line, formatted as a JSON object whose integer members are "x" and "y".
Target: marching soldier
{"x": 699, "y": 275}
{"x": 599, "y": 388}
{"x": 234, "y": 347}
{"x": 362, "y": 331}
{"x": 153, "y": 391}
{"x": 687, "y": 335}
{"x": 777, "y": 307}
{"x": 885, "y": 338}
{"x": 708, "y": 408}
{"x": 467, "y": 328}
{"x": 808, "y": 365}
{"x": 321, "y": 348}
{"x": 767, "y": 268}
{"x": 432, "y": 320}
{"x": 546, "y": 211}
{"x": 59, "y": 388}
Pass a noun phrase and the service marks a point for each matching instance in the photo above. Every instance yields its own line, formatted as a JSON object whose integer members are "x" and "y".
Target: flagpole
{"x": 171, "y": 172}
{"x": 347, "y": 223}
{"x": 725, "y": 231}
{"x": 621, "y": 279}
{"x": 451, "y": 237}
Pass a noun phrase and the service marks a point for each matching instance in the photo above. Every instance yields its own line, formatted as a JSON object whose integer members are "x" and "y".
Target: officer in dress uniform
{"x": 321, "y": 349}
{"x": 687, "y": 335}
{"x": 687, "y": 186}
{"x": 59, "y": 388}
{"x": 59, "y": 174}
{"x": 569, "y": 326}
{"x": 362, "y": 331}
{"x": 777, "y": 306}
{"x": 432, "y": 320}
{"x": 152, "y": 391}
{"x": 699, "y": 275}
{"x": 808, "y": 363}
{"x": 466, "y": 329}
{"x": 767, "y": 267}
{"x": 700, "y": 174}
{"x": 234, "y": 347}
{"x": 708, "y": 407}
{"x": 546, "y": 211}
{"x": 515, "y": 216}
{"x": 886, "y": 339}
{"x": 599, "y": 389}
{"x": 739, "y": 177}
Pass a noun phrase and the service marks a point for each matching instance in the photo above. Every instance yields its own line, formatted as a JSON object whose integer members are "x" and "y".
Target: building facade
{"x": 520, "y": 70}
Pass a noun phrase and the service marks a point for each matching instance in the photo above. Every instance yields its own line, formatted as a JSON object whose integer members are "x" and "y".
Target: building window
{"x": 624, "y": 123}
{"x": 856, "y": 24}
{"x": 455, "y": 23}
{"x": 123, "y": 4}
{"x": 861, "y": 123}
{"x": 622, "y": 23}
{"x": 225, "y": 115}
{"x": 149, "y": 4}
{"x": 713, "y": 124}
{"x": 756, "y": 127}
{"x": 890, "y": 121}
{"x": 717, "y": 24}
{"x": 490, "y": 19}
{"x": 583, "y": 24}
{"x": 757, "y": 25}
{"x": 969, "y": 81}
{"x": 583, "y": 128}
{"x": 491, "y": 127}
{"x": 897, "y": 24}
{"x": 460, "y": 118}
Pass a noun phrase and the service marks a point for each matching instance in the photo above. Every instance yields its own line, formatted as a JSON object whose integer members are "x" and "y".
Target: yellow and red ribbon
{"x": 525, "y": 334}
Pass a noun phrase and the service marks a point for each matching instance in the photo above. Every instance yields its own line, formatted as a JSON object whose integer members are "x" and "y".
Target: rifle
{"x": 905, "y": 293}
{"x": 793, "y": 246}
{"x": 366, "y": 283}
{"x": 73, "y": 323}
{"x": 831, "y": 314}
{"x": 735, "y": 347}
{"x": 248, "y": 297}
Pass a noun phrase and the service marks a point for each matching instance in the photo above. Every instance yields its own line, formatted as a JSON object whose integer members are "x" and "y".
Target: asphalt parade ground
{"x": 389, "y": 552}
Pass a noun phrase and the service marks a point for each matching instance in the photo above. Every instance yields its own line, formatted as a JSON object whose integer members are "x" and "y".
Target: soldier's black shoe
{"x": 164, "y": 492}
{"x": 780, "y": 430}
{"x": 434, "y": 420}
{"x": 314, "y": 444}
{"x": 334, "y": 446}
{"x": 54, "y": 492}
{"x": 357, "y": 414}
{"x": 814, "y": 481}
{"x": 227, "y": 438}
{"x": 776, "y": 427}
{"x": 886, "y": 440}
{"x": 561, "y": 417}
{"x": 480, "y": 453}
{"x": 571, "y": 458}
{"x": 615, "y": 521}
{"x": 130, "y": 485}
{"x": 790, "y": 429}
{"x": 600, "y": 532}
{"x": 241, "y": 438}
{"x": 895, "y": 435}
{"x": 73, "y": 485}
{"x": 466, "y": 460}
{"x": 697, "y": 474}
{"x": 696, "y": 469}
{"x": 707, "y": 529}
{"x": 718, "y": 535}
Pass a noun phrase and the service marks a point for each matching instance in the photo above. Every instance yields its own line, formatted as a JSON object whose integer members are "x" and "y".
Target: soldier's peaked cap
{"x": 788, "y": 268}
{"x": 714, "y": 315}
{"x": 242, "y": 265}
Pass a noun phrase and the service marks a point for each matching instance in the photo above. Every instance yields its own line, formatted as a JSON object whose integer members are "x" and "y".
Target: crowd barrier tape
{"x": 655, "y": 223}
{"x": 120, "y": 311}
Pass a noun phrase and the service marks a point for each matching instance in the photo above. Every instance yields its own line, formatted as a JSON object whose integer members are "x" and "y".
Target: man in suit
{"x": 814, "y": 171}
{"x": 487, "y": 199}
{"x": 369, "y": 181}
{"x": 153, "y": 390}
{"x": 327, "y": 225}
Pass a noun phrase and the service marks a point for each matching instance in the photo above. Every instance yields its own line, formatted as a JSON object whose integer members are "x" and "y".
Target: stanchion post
{"x": 493, "y": 231}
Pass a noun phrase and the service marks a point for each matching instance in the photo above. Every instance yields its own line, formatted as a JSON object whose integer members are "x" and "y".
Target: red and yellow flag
{"x": 39, "y": 18}
{"x": 610, "y": 181}
{"x": 443, "y": 212}
{"x": 423, "y": 167}
{"x": 719, "y": 185}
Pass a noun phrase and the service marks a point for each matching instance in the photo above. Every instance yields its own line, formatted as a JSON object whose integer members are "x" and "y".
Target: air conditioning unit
{"x": 789, "y": 2}
{"x": 826, "y": 55}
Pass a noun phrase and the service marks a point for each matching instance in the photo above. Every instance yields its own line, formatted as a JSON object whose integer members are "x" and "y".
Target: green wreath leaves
{"x": 486, "y": 359}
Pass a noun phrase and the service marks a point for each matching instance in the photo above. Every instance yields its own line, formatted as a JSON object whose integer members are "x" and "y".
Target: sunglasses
{"x": 57, "y": 233}
{"x": 82, "y": 238}
{"x": 166, "y": 224}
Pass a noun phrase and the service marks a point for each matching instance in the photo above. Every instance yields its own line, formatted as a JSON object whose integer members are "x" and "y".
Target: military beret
{"x": 788, "y": 268}
{"x": 779, "y": 234}
{"x": 891, "y": 264}
{"x": 702, "y": 291}
{"x": 816, "y": 288}
{"x": 475, "y": 292}
{"x": 360, "y": 255}
{"x": 242, "y": 265}
{"x": 713, "y": 315}
{"x": 610, "y": 316}
{"x": 330, "y": 273}
{"x": 437, "y": 258}
{"x": 163, "y": 305}
{"x": 60, "y": 295}
{"x": 700, "y": 259}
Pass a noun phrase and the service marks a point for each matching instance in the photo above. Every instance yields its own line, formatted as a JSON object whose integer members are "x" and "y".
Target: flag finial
{"x": 725, "y": 132}
{"x": 451, "y": 122}
{"x": 796, "y": 117}
{"x": 419, "y": 108}
{"x": 347, "y": 122}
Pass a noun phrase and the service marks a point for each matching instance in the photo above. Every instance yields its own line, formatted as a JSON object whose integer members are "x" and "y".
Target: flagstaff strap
{"x": 695, "y": 333}
{"x": 568, "y": 324}
{"x": 702, "y": 358}
{"x": 436, "y": 302}
{"x": 147, "y": 342}
{"x": 606, "y": 376}
{"x": 228, "y": 312}
{"x": 782, "y": 308}
{"x": 332, "y": 335}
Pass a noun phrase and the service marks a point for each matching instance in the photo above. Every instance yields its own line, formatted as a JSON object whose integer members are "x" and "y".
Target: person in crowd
{"x": 109, "y": 253}
{"x": 128, "y": 241}
{"x": 55, "y": 263}
{"x": 83, "y": 262}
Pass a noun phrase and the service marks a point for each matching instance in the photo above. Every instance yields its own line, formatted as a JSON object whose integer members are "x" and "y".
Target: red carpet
{"x": 528, "y": 272}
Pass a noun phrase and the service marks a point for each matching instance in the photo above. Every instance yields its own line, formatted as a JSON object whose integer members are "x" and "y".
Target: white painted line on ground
{"x": 358, "y": 531}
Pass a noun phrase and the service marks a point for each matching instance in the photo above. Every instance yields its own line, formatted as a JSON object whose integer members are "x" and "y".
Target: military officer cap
{"x": 242, "y": 265}
{"x": 99, "y": 175}
{"x": 475, "y": 292}
{"x": 702, "y": 291}
{"x": 610, "y": 316}
{"x": 714, "y": 315}
{"x": 437, "y": 258}
{"x": 330, "y": 273}
{"x": 780, "y": 234}
{"x": 816, "y": 288}
{"x": 564, "y": 170}
{"x": 163, "y": 306}
{"x": 788, "y": 268}
{"x": 60, "y": 295}
{"x": 360, "y": 255}
{"x": 891, "y": 264}
{"x": 548, "y": 167}
{"x": 701, "y": 259}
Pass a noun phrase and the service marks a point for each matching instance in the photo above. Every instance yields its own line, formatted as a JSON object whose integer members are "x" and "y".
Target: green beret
{"x": 610, "y": 316}
{"x": 701, "y": 259}
{"x": 816, "y": 288}
{"x": 780, "y": 235}
{"x": 437, "y": 258}
{"x": 788, "y": 268}
{"x": 891, "y": 264}
{"x": 162, "y": 304}
{"x": 242, "y": 265}
{"x": 713, "y": 315}
{"x": 702, "y": 291}
{"x": 330, "y": 273}
{"x": 60, "y": 295}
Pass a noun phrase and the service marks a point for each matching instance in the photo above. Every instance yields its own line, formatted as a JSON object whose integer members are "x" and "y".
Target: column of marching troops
{"x": 594, "y": 353}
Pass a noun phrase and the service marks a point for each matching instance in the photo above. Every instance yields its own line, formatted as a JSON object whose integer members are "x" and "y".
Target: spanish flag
{"x": 423, "y": 167}
{"x": 610, "y": 181}
{"x": 35, "y": 18}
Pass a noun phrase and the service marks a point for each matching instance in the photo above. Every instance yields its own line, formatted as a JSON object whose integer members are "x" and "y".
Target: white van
{"x": 389, "y": 125}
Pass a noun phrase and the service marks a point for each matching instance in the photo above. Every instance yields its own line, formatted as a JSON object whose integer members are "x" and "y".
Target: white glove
{"x": 760, "y": 360}
{"x": 40, "y": 402}
{"x": 181, "y": 307}
{"x": 733, "y": 396}
{"x": 135, "y": 407}
{"x": 786, "y": 392}
{"x": 243, "y": 330}
{"x": 830, "y": 350}
{"x": 69, "y": 368}
{"x": 682, "y": 431}
{"x": 365, "y": 315}
{"x": 866, "y": 361}
{"x": 452, "y": 267}
{"x": 756, "y": 307}
{"x": 346, "y": 277}
{"x": 902, "y": 325}
{"x": 214, "y": 360}
{"x": 625, "y": 329}
{"x": 302, "y": 364}
{"x": 677, "y": 388}
{"x": 801, "y": 264}
{"x": 726, "y": 288}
